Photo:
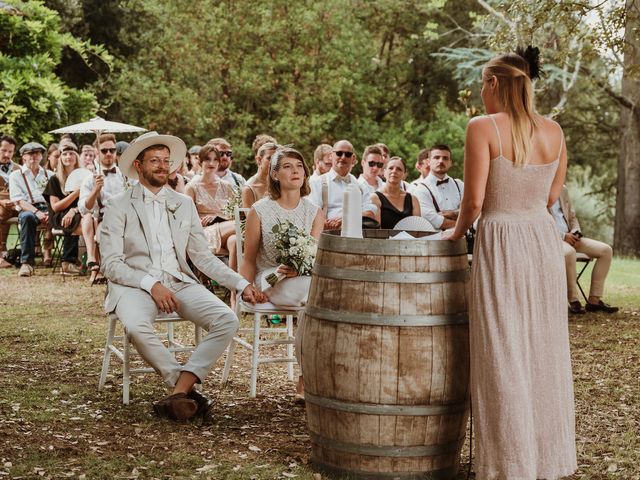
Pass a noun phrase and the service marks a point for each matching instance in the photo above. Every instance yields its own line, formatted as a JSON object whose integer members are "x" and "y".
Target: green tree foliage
{"x": 33, "y": 97}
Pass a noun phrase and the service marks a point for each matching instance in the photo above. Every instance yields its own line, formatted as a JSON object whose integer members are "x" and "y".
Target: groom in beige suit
{"x": 147, "y": 234}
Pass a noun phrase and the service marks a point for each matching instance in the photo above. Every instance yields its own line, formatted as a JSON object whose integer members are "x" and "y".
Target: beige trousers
{"x": 595, "y": 249}
{"x": 137, "y": 312}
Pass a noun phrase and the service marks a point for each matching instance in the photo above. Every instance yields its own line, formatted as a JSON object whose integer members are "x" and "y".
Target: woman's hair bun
{"x": 531, "y": 55}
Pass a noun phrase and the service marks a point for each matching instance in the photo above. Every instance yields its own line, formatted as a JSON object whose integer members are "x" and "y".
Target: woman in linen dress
{"x": 521, "y": 381}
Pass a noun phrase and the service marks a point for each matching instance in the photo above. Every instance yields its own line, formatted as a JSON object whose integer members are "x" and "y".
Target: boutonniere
{"x": 42, "y": 183}
{"x": 172, "y": 208}
{"x": 126, "y": 185}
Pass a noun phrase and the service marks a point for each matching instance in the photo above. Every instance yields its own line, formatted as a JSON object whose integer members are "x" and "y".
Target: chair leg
{"x": 125, "y": 369}
{"x": 107, "y": 353}
{"x": 255, "y": 355}
{"x": 231, "y": 350}
{"x": 586, "y": 264}
{"x": 290, "y": 346}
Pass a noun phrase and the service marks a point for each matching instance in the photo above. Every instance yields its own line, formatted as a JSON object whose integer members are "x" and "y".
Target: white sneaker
{"x": 26, "y": 270}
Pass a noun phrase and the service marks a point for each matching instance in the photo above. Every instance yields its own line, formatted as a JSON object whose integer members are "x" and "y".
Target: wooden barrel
{"x": 385, "y": 357}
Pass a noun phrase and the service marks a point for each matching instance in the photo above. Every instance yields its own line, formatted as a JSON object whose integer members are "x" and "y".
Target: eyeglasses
{"x": 376, "y": 164}
{"x": 155, "y": 161}
{"x": 104, "y": 151}
{"x": 227, "y": 154}
{"x": 340, "y": 153}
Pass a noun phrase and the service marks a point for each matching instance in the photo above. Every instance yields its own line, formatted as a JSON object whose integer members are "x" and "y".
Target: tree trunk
{"x": 627, "y": 221}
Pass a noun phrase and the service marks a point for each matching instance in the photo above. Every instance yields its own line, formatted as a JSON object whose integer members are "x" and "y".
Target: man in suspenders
{"x": 236, "y": 180}
{"x": 7, "y": 210}
{"x": 439, "y": 195}
{"x": 25, "y": 190}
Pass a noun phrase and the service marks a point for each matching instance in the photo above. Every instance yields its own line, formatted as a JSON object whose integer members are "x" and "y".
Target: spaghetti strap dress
{"x": 521, "y": 380}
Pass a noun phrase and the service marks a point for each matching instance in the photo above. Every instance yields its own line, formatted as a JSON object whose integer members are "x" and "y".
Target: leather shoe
{"x": 576, "y": 308}
{"x": 176, "y": 407}
{"x": 601, "y": 307}
{"x": 204, "y": 402}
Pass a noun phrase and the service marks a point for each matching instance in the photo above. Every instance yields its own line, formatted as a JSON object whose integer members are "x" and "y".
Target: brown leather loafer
{"x": 176, "y": 407}
{"x": 576, "y": 308}
{"x": 204, "y": 403}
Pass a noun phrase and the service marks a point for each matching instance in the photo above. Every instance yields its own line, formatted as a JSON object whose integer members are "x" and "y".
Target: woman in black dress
{"x": 64, "y": 207}
{"x": 393, "y": 202}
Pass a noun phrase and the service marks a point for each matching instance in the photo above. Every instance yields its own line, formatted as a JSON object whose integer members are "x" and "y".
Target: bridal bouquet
{"x": 296, "y": 249}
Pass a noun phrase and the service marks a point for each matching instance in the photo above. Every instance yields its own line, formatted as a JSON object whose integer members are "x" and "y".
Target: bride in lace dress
{"x": 288, "y": 188}
{"x": 521, "y": 380}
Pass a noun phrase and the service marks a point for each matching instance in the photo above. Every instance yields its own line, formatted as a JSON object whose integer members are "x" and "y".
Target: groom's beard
{"x": 156, "y": 179}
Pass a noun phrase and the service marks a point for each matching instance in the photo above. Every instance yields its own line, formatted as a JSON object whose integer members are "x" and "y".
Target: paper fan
{"x": 75, "y": 179}
{"x": 415, "y": 224}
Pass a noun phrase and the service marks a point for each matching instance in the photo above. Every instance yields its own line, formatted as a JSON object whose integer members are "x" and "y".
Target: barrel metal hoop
{"x": 383, "y": 409}
{"x": 401, "y": 248}
{"x": 376, "y": 319}
{"x": 337, "y": 273}
{"x": 386, "y": 450}
{"x": 447, "y": 473}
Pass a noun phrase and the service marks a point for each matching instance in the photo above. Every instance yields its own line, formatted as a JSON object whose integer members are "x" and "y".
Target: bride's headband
{"x": 280, "y": 152}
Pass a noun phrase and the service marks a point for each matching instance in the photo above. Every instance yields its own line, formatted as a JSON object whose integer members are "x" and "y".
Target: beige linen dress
{"x": 521, "y": 381}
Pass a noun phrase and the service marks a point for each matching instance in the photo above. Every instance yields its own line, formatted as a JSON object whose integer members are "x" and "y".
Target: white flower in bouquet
{"x": 295, "y": 248}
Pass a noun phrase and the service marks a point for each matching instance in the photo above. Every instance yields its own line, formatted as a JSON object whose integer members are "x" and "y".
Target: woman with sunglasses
{"x": 393, "y": 201}
{"x": 64, "y": 206}
{"x": 211, "y": 195}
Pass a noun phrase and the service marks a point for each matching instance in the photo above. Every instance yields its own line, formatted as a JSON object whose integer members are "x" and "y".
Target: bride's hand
{"x": 287, "y": 271}
{"x": 449, "y": 235}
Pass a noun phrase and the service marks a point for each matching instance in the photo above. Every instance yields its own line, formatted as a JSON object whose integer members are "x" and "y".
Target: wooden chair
{"x": 259, "y": 311}
{"x": 121, "y": 348}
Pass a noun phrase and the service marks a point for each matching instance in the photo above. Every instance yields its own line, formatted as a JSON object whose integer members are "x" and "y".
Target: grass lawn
{"x": 55, "y": 424}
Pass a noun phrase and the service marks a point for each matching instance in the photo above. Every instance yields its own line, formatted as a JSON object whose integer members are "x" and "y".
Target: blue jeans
{"x": 29, "y": 234}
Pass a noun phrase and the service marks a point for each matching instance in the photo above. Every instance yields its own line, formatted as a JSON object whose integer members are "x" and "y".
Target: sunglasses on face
{"x": 227, "y": 154}
{"x": 376, "y": 164}
{"x": 340, "y": 153}
{"x": 104, "y": 151}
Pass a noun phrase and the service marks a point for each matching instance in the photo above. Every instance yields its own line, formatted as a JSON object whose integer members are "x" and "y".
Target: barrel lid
{"x": 377, "y": 242}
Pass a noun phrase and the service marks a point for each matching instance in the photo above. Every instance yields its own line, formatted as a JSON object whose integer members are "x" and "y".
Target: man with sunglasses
{"x": 327, "y": 190}
{"x": 372, "y": 164}
{"x": 236, "y": 180}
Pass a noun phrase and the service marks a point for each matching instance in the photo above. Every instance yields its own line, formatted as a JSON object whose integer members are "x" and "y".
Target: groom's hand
{"x": 164, "y": 298}
{"x": 252, "y": 295}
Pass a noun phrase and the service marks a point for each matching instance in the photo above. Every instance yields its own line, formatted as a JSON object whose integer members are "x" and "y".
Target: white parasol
{"x": 98, "y": 126}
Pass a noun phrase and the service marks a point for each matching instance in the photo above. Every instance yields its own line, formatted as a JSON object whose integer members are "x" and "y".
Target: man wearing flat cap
{"x": 25, "y": 191}
{"x": 147, "y": 234}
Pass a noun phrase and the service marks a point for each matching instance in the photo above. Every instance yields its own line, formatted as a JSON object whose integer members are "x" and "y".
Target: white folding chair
{"x": 259, "y": 311}
{"x": 124, "y": 353}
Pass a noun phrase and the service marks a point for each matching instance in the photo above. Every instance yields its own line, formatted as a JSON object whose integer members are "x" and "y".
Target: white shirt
{"x": 561, "y": 222}
{"x": 163, "y": 252}
{"x": 18, "y": 190}
{"x": 368, "y": 189}
{"x": 448, "y": 196}
{"x": 231, "y": 177}
{"x": 335, "y": 193}
{"x": 114, "y": 184}
{"x": 415, "y": 183}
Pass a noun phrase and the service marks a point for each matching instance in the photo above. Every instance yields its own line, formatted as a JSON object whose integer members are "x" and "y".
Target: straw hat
{"x": 176, "y": 147}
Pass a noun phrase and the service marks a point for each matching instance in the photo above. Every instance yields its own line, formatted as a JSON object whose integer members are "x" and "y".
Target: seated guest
{"x": 95, "y": 193}
{"x": 385, "y": 154}
{"x": 288, "y": 187}
{"x": 373, "y": 165}
{"x": 321, "y": 160}
{"x": 121, "y": 146}
{"x": 256, "y": 186}
{"x": 53, "y": 157}
{"x": 393, "y": 202}
{"x": 211, "y": 195}
{"x": 422, "y": 165}
{"x": 176, "y": 181}
{"x": 64, "y": 206}
{"x": 193, "y": 165}
{"x": 225, "y": 157}
{"x": 574, "y": 241}
{"x": 7, "y": 211}
{"x": 257, "y": 144}
{"x": 87, "y": 157}
{"x": 439, "y": 195}
{"x": 328, "y": 189}
{"x": 25, "y": 190}
{"x": 148, "y": 233}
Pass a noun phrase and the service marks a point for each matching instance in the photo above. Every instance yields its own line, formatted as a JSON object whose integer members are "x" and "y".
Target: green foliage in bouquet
{"x": 296, "y": 249}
